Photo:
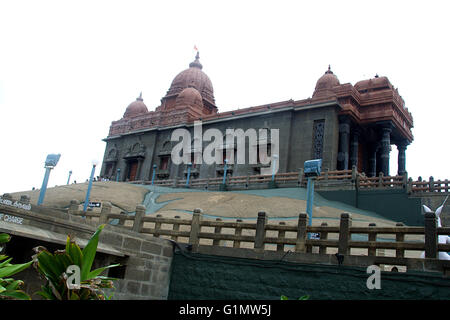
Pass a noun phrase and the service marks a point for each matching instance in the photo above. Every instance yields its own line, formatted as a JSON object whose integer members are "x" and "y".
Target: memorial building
{"x": 345, "y": 125}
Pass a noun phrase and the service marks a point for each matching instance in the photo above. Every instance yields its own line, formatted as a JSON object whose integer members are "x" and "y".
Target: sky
{"x": 69, "y": 68}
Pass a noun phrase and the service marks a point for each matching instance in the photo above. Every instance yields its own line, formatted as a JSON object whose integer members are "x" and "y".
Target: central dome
{"x": 325, "y": 84}
{"x": 193, "y": 77}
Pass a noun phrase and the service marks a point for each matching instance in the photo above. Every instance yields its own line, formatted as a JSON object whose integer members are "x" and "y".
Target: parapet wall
{"x": 145, "y": 260}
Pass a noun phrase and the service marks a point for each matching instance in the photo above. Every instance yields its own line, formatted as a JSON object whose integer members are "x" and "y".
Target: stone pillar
{"x": 354, "y": 148}
{"x": 385, "y": 149}
{"x": 402, "y": 158}
{"x": 344, "y": 137}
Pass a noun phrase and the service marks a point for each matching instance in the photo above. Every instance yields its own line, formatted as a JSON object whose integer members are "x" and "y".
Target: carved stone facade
{"x": 345, "y": 125}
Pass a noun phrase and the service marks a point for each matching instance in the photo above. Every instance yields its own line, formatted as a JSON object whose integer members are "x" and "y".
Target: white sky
{"x": 69, "y": 68}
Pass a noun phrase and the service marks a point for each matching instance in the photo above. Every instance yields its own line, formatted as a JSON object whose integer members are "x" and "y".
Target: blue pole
{"x": 273, "y": 167}
{"x": 225, "y": 171}
{"x": 154, "y": 171}
{"x": 188, "y": 174}
{"x": 86, "y": 201}
{"x": 70, "y": 173}
{"x": 118, "y": 175}
{"x": 309, "y": 201}
{"x": 44, "y": 185}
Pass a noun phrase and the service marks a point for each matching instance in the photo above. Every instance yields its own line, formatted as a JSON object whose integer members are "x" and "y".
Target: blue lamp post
{"x": 274, "y": 165}
{"x": 189, "y": 165}
{"x": 312, "y": 169}
{"x": 154, "y": 172}
{"x": 225, "y": 167}
{"x": 50, "y": 163}
{"x": 86, "y": 201}
{"x": 118, "y": 175}
{"x": 70, "y": 173}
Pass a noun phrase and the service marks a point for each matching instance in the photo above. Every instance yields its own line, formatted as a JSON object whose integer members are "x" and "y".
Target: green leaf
{"x": 14, "y": 285}
{"x": 93, "y": 274}
{"x": 5, "y": 263}
{"x": 3, "y": 257}
{"x": 74, "y": 252}
{"x": 305, "y": 297}
{"x": 89, "y": 253}
{"x": 283, "y": 297}
{"x": 85, "y": 294}
{"x": 49, "y": 267}
{"x": 74, "y": 296}
{"x": 13, "y": 269}
{"x": 4, "y": 237}
{"x": 2, "y": 288}
{"x": 16, "y": 294}
{"x": 46, "y": 293}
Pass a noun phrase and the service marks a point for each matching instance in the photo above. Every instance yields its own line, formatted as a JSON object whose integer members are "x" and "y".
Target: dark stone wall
{"x": 295, "y": 137}
{"x": 389, "y": 203}
{"x": 199, "y": 276}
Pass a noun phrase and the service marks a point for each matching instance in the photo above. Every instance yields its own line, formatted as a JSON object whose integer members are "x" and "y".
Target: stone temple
{"x": 343, "y": 124}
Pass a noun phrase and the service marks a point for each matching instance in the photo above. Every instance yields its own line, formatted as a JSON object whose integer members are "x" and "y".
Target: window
{"x": 318, "y": 132}
{"x": 164, "y": 165}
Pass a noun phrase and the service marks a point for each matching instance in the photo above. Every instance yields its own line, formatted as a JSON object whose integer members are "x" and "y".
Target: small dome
{"x": 326, "y": 83}
{"x": 136, "y": 108}
{"x": 193, "y": 77}
{"x": 189, "y": 97}
{"x": 376, "y": 83}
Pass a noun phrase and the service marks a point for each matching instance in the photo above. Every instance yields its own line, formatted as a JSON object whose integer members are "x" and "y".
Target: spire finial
{"x": 196, "y": 63}
{"x": 329, "y": 70}
{"x": 140, "y": 97}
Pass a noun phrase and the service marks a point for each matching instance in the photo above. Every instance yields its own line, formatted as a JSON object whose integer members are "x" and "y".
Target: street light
{"x": 70, "y": 173}
{"x": 118, "y": 175}
{"x": 312, "y": 169}
{"x": 225, "y": 167}
{"x": 50, "y": 163}
{"x": 154, "y": 171}
{"x": 188, "y": 174}
{"x": 86, "y": 201}
{"x": 274, "y": 165}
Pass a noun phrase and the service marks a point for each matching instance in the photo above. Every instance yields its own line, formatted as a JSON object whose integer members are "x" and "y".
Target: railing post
{"x": 217, "y": 230}
{"x": 176, "y": 227}
{"x": 157, "y": 225}
{"x": 344, "y": 233}
{"x": 323, "y": 236}
{"x": 24, "y": 199}
{"x": 409, "y": 186}
{"x": 431, "y": 238}
{"x": 195, "y": 229}
{"x": 140, "y": 213}
{"x": 122, "y": 219}
{"x": 237, "y": 232}
{"x": 380, "y": 180}
{"x": 300, "y": 177}
{"x": 372, "y": 251}
{"x": 300, "y": 245}
{"x": 399, "y": 237}
{"x": 281, "y": 235}
{"x": 431, "y": 184}
{"x": 354, "y": 173}
{"x": 260, "y": 232}
{"x": 106, "y": 210}
{"x": 73, "y": 208}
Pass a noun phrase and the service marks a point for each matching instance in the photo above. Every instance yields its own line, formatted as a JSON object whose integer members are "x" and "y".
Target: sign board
{"x": 93, "y": 204}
